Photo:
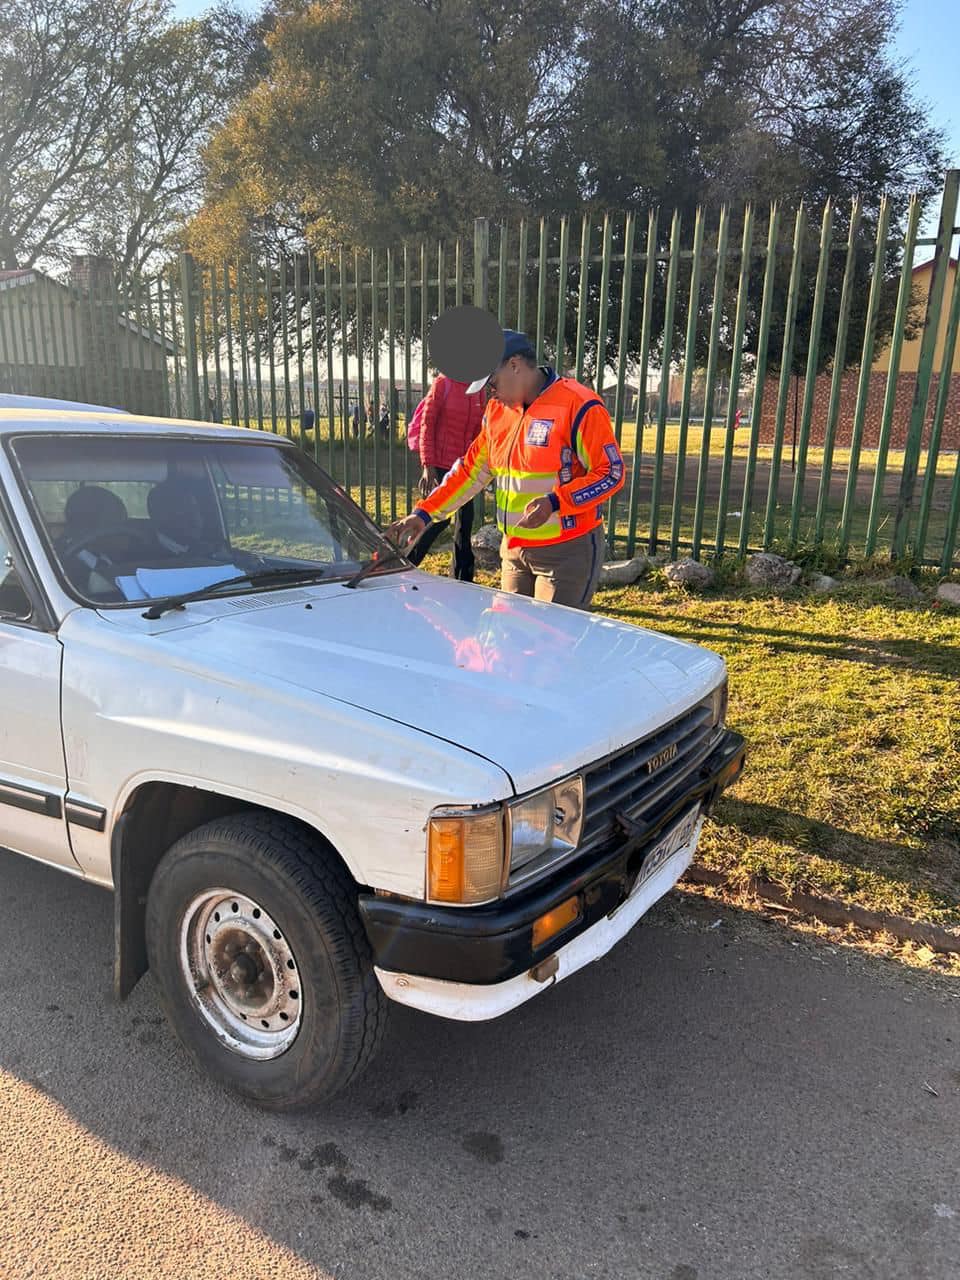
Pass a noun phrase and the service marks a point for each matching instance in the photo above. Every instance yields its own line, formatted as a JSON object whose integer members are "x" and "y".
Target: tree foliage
{"x": 104, "y": 105}
{"x": 376, "y": 120}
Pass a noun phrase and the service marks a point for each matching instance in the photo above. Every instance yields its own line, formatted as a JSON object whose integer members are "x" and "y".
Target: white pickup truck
{"x": 316, "y": 779}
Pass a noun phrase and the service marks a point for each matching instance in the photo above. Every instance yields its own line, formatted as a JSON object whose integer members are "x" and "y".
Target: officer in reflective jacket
{"x": 547, "y": 444}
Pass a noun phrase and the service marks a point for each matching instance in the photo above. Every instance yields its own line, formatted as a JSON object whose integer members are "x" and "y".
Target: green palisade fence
{"x": 736, "y": 350}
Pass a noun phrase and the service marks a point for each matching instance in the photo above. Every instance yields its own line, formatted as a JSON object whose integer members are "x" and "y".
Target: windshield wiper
{"x": 394, "y": 553}
{"x": 255, "y": 576}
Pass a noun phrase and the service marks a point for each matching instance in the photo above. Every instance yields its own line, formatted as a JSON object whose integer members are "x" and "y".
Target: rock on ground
{"x": 621, "y": 573}
{"x": 902, "y": 587}
{"x": 822, "y": 583}
{"x": 486, "y": 546}
{"x": 949, "y": 592}
{"x": 767, "y": 570}
{"x": 688, "y": 573}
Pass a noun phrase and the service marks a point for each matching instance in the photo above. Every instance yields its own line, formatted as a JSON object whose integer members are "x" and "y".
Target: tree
{"x": 734, "y": 100}
{"x": 382, "y": 119}
{"x": 375, "y": 121}
{"x": 103, "y": 107}
{"x": 753, "y": 100}
{"x": 187, "y": 75}
{"x": 64, "y": 70}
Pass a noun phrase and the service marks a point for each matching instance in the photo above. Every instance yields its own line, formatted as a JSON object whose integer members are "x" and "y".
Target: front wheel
{"x": 264, "y": 968}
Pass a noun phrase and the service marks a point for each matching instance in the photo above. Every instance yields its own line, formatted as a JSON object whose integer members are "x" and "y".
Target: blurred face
{"x": 510, "y": 381}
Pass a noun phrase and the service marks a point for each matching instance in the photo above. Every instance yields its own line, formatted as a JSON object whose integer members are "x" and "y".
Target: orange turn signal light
{"x": 446, "y": 861}
{"x": 552, "y": 922}
{"x": 731, "y": 772}
{"x": 465, "y": 858}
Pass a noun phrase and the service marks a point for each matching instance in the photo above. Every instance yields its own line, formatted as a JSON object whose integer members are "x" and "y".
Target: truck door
{"x": 32, "y": 770}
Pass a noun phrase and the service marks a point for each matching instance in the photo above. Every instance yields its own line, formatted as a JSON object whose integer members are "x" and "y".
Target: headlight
{"x": 545, "y": 824}
{"x": 466, "y": 847}
{"x": 465, "y": 855}
{"x": 718, "y": 704}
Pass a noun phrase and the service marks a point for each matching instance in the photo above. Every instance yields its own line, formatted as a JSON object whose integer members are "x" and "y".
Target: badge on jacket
{"x": 538, "y": 431}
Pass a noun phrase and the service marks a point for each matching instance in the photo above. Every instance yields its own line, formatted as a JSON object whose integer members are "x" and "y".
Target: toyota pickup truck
{"x": 315, "y": 779}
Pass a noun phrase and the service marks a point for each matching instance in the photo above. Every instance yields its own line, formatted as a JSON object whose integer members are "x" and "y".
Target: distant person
{"x": 383, "y": 423}
{"x": 450, "y": 424}
{"x": 355, "y": 421}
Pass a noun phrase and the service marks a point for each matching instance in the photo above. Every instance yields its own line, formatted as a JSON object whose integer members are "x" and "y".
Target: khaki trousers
{"x": 564, "y": 572}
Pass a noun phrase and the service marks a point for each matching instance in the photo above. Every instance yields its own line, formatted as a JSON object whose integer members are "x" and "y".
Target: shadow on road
{"x": 707, "y": 1101}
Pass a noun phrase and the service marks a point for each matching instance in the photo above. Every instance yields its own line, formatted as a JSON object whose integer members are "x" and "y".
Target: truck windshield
{"x": 131, "y": 518}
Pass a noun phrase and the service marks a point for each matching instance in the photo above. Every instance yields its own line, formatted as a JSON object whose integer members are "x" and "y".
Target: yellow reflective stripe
{"x": 528, "y": 482}
{"x": 545, "y": 533}
{"x": 517, "y": 501}
{"x": 509, "y": 523}
{"x": 460, "y": 484}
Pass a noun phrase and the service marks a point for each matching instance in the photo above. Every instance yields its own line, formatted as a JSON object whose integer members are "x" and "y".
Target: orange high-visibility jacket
{"x": 562, "y": 445}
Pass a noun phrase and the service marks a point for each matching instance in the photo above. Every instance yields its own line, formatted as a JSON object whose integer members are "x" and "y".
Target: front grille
{"x": 623, "y": 782}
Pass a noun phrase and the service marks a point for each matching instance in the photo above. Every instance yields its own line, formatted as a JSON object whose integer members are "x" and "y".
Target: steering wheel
{"x": 84, "y": 541}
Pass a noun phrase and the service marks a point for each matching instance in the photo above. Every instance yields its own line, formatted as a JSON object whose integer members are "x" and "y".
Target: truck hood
{"x": 538, "y": 689}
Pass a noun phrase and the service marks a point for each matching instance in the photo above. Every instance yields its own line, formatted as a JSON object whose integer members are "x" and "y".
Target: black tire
{"x": 300, "y": 883}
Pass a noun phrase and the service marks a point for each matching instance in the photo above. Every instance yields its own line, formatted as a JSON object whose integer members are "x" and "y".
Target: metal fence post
{"x": 863, "y": 385}
{"x": 928, "y": 344}
{"x": 936, "y": 426}
{"x": 481, "y": 262}
{"x": 904, "y": 301}
{"x": 810, "y": 377}
{"x": 786, "y": 362}
{"x": 836, "y": 381}
{"x": 190, "y": 334}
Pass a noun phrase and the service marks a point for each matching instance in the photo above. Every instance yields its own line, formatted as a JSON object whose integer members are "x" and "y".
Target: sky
{"x": 927, "y": 41}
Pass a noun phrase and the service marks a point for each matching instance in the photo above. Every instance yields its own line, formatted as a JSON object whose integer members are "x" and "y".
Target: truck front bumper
{"x": 478, "y": 962}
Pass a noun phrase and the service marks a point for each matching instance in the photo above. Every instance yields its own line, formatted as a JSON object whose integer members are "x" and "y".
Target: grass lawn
{"x": 946, "y": 460}
{"x": 385, "y": 460}
{"x": 851, "y": 708}
{"x": 852, "y": 711}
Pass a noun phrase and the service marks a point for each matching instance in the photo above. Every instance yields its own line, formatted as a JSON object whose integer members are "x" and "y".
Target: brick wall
{"x": 91, "y": 273}
{"x": 906, "y": 385}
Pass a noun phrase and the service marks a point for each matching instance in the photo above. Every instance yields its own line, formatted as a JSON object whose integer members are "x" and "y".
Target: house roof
{"x": 21, "y": 276}
{"x": 922, "y": 266}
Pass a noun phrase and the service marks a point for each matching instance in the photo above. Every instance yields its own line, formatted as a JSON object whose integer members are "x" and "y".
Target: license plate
{"x": 677, "y": 838}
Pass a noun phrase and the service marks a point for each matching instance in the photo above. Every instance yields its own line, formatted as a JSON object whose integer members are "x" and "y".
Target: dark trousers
{"x": 462, "y": 562}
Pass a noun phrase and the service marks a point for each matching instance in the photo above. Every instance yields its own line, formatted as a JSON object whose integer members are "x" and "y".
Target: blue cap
{"x": 515, "y": 343}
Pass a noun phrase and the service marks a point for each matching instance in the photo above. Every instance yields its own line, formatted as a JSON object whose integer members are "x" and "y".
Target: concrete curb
{"x": 829, "y": 910}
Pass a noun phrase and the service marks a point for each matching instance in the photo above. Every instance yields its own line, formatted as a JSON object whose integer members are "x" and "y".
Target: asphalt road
{"x": 705, "y": 1102}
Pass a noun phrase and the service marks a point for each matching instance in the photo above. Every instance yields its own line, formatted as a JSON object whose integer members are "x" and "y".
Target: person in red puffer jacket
{"x": 451, "y": 423}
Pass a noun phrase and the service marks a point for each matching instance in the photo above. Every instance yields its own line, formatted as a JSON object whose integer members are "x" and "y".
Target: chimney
{"x": 91, "y": 273}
